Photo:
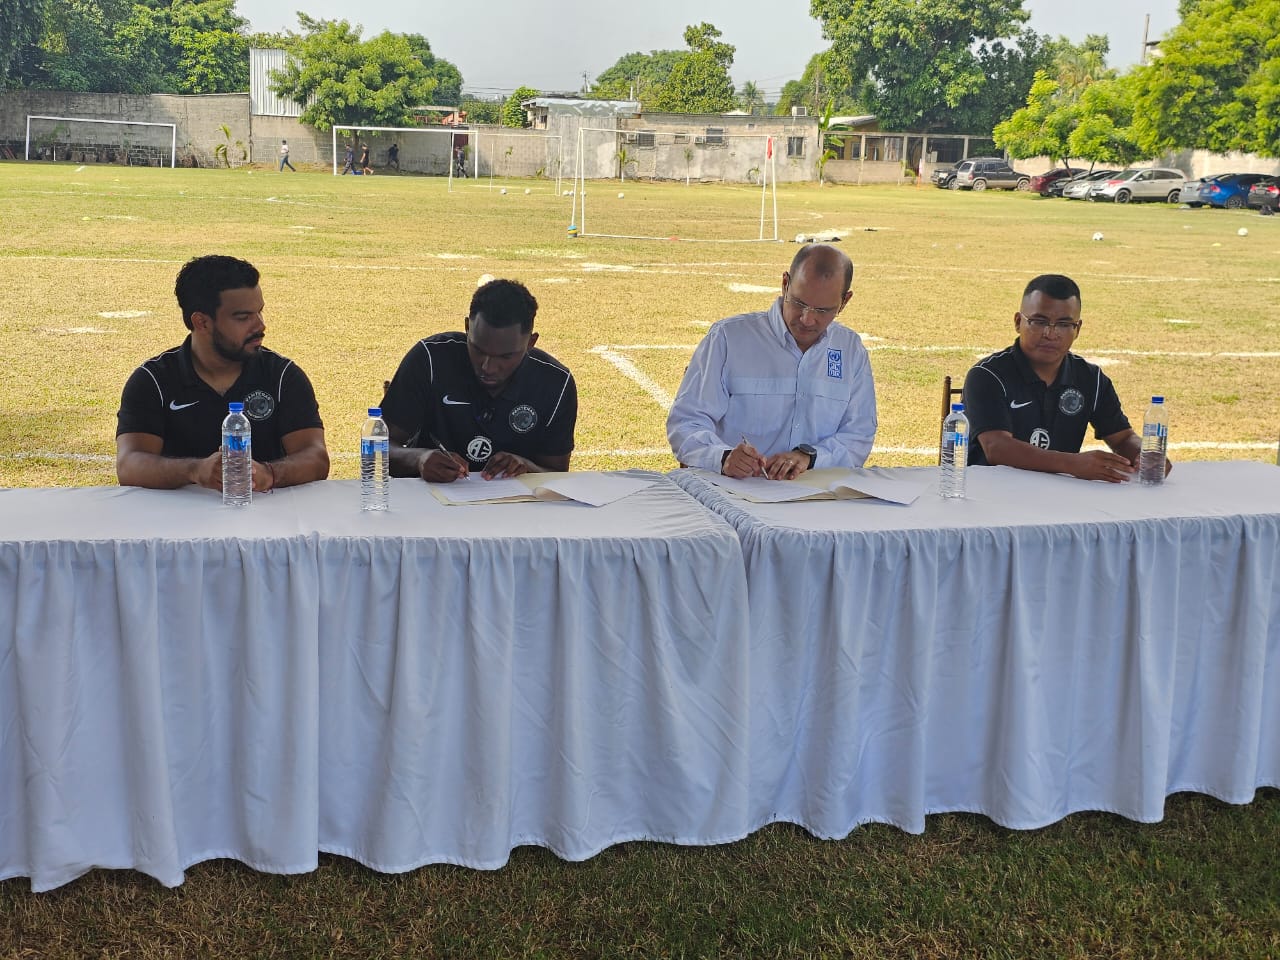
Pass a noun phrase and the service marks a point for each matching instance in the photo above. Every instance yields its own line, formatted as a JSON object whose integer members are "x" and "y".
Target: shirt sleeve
{"x": 851, "y": 444}
{"x": 1108, "y": 417}
{"x": 985, "y": 403}
{"x": 701, "y": 403}
{"x": 408, "y": 395}
{"x": 141, "y": 405}
{"x": 558, "y": 437}
{"x": 298, "y": 407}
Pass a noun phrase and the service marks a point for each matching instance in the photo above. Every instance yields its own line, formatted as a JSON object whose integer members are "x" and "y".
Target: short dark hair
{"x": 505, "y": 303}
{"x": 201, "y": 282}
{"x": 827, "y": 269}
{"x": 1055, "y": 286}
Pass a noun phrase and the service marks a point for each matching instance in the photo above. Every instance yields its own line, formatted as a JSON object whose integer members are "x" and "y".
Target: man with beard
{"x": 169, "y": 428}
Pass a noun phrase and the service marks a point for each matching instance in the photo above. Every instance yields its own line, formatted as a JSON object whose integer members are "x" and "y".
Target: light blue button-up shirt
{"x": 748, "y": 379}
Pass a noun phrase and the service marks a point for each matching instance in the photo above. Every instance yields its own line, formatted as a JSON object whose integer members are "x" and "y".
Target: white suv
{"x": 1155, "y": 183}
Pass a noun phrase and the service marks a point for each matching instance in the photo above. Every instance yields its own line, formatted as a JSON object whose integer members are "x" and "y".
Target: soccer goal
{"x": 135, "y": 143}
{"x": 736, "y": 199}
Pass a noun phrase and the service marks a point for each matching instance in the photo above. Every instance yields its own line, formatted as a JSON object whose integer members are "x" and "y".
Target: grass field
{"x": 355, "y": 270}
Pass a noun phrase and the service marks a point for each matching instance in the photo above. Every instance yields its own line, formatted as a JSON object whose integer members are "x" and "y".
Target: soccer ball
{"x": 1242, "y": 232}
{"x": 503, "y": 191}
{"x": 484, "y": 278}
{"x": 621, "y": 195}
{"x": 527, "y": 191}
{"x": 1097, "y": 236}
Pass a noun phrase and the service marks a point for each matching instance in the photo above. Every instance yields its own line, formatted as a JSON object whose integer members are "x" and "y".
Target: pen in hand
{"x": 461, "y": 464}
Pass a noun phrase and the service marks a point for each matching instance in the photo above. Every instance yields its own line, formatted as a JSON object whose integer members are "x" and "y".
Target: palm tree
{"x": 750, "y": 98}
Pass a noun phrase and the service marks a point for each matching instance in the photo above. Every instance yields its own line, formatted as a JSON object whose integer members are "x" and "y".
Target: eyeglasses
{"x": 1040, "y": 325}
{"x": 822, "y": 313}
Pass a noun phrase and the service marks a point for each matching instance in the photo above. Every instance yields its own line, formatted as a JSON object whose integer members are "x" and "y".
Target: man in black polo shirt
{"x": 169, "y": 428}
{"x": 1029, "y": 405}
{"x": 483, "y": 400}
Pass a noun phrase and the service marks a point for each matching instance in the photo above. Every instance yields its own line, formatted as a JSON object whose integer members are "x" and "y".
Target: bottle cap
{"x": 235, "y": 407}
{"x": 957, "y": 408}
{"x": 375, "y": 411}
{"x": 1157, "y": 399}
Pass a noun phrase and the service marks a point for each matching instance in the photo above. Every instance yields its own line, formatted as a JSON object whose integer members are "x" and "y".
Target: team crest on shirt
{"x": 259, "y": 405}
{"x": 1040, "y": 438}
{"x": 479, "y": 449}
{"x": 835, "y": 364}
{"x": 1071, "y": 402}
{"x": 523, "y": 418}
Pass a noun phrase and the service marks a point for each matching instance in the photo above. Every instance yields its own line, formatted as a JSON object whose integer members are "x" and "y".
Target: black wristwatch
{"x": 810, "y": 450}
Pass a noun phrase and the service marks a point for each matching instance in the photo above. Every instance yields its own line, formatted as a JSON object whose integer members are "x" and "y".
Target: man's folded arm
{"x": 139, "y": 463}
{"x": 306, "y": 458}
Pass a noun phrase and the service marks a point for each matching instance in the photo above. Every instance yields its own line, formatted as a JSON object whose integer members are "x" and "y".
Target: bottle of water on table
{"x": 955, "y": 453}
{"x": 375, "y": 451}
{"x": 237, "y": 457}
{"x": 1155, "y": 440}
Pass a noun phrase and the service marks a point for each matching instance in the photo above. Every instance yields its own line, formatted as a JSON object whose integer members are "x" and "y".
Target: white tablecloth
{"x": 1045, "y": 646}
{"x": 181, "y": 681}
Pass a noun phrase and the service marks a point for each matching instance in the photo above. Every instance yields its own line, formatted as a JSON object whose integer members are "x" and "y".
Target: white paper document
{"x": 589, "y": 487}
{"x": 829, "y": 483}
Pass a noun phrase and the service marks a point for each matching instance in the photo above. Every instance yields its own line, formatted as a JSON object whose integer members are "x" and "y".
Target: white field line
{"x": 628, "y": 369}
{"x": 63, "y": 457}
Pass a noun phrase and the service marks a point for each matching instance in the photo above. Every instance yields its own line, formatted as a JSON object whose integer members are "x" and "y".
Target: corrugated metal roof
{"x": 263, "y": 100}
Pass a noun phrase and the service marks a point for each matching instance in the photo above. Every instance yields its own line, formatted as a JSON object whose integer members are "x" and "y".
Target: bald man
{"x": 782, "y": 391}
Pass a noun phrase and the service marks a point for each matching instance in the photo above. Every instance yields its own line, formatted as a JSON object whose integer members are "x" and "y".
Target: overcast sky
{"x": 502, "y": 44}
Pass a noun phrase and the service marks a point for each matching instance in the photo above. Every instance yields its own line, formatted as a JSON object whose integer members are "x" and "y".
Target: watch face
{"x": 806, "y": 448}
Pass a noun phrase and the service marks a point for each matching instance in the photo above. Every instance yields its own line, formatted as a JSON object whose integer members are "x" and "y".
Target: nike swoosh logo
{"x": 1019, "y": 406}
{"x": 456, "y": 403}
{"x": 175, "y": 405}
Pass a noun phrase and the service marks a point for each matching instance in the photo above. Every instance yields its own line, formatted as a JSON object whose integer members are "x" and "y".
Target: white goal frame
{"x": 173, "y": 131}
{"x": 768, "y": 189}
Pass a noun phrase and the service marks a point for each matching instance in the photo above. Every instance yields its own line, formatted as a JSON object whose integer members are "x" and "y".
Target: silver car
{"x": 1153, "y": 183}
{"x": 1078, "y": 188}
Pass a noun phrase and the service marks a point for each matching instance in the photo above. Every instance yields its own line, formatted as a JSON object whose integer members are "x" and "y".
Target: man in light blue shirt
{"x": 777, "y": 393}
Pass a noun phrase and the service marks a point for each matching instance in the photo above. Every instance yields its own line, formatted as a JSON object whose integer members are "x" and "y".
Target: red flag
{"x": 769, "y": 149}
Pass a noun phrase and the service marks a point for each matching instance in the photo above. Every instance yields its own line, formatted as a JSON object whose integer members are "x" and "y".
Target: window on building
{"x": 714, "y": 135}
{"x": 644, "y": 138}
{"x": 795, "y": 146}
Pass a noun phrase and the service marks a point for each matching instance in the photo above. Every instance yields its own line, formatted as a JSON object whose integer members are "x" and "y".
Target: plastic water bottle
{"x": 237, "y": 457}
{"x": 375, "y": 451}
{"x": 1155, "y": 440}
{"x": 955, "y": 453}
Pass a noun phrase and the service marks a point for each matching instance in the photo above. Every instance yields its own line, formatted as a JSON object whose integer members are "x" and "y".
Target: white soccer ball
{"x": 503, "y": 191}
{"x": 527, "y": 191}
{"x": 800, "y": 238}
{"x": 621, "y": 195}
{"x": 1242, "y": 232}
{"x": 1098, "y": 236}
{"x": 484, "y": 278}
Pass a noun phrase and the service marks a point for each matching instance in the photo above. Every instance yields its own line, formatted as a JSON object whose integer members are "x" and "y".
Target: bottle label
{"x": 957, "y": 439}
{"x": 1155, "y": 430}
{"x": 371, "y": 446}
{"x": 236, "y": 444}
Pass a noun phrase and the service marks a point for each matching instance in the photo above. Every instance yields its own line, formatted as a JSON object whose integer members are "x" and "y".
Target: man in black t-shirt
{"x": 484, "y": 399}
{"x": 1029, "y": 406}
{"x": 169, "y": 427}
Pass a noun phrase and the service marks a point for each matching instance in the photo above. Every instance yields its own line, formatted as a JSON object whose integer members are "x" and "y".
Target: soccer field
{"x": 356, "y": 269}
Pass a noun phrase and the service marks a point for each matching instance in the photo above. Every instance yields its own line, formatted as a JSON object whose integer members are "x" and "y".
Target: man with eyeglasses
{"x": 1029, "y": 405}
{"x": 779, "y": 392}
{"x": 483, "y": 399}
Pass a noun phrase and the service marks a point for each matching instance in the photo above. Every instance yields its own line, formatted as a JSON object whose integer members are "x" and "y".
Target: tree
{"x": 340, "y": 79}
{"x": 699, "y": 82}
{"x": 639, "y": 76}
{"x": 1042, "y": 127}
{"x": 750, "y": 98}
{"x": 20, "y": 24}
{"x": 447, "y": 77}
{"x": 482, "y": 111}
{"x": 1216, "y": 83}
{"x": 919, "y": 63}
{"x": 513, "y": 114}
{"x": 816, "y": 88}
{"x": 1104, "y": 126}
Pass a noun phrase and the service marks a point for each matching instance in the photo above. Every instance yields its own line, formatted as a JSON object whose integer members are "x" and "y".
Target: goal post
{"x": 92, "y": 140}
{"x": 736, "y": 198}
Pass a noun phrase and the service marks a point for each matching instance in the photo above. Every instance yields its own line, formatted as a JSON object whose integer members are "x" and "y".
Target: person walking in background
{"x": 364, "y": 159}
{"x": 284, "y": 156}
{"x": 349, "y": 164}
{"x": 393, "y": 156}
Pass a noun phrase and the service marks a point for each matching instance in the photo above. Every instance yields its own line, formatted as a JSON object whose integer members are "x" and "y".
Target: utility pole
{"x": 1146, "y": 29}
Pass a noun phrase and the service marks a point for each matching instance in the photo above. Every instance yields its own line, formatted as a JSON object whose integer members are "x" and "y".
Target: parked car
{"x": 1230, "y": 190}
{"x": 1190, "y": 193}
{"x": 945, "y": 177}
{"x": 979, "y": 174}
{"x": 1041, "y": 183}
{"x": 1078, "y": 188}
{"x": 1152, "y": 183}
{"x": 1265, "y": 193}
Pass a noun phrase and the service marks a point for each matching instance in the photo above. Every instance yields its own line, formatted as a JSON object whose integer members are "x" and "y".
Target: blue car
{"x": 1230, "y": 190}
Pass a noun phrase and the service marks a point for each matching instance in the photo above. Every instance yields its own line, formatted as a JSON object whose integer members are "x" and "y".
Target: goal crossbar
{"x": 173, "y": 131}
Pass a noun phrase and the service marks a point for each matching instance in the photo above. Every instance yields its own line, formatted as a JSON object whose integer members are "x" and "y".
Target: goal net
{"x": 134, "y": 143}
{"x": 488, "y": 156}
{"x": 735, "y": 199}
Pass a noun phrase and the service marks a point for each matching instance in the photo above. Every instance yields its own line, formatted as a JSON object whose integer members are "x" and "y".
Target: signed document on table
{"x": 829, "y": 483}
{"x": 589, "y": 487}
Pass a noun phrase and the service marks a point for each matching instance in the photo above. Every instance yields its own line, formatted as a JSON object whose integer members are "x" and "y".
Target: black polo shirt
{"x": 1002, "y": 392}
{"x": 166, "y": 398}
{"x": 436, "y": 399}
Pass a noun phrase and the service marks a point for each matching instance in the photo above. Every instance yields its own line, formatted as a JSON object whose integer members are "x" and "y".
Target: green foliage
{"x": 482, "y": 111}
{"x": 341, "y": 79}
{"x": 1104, "y": 128}
{"x": 448, "y": 78}
{"x": 222, "y": 151}
{"x": 750, "y": 98}
{"x": 20, "y": 23}
{"x": 1216, "y": 83}
{"x": 932, "y": 66}
{"x": 513, "y": 115}
{"x": 699, "y": 82}
{"x": 642, "y": 75}
{"x": 1039, "y": 128}
{"x": 818, "y": 86}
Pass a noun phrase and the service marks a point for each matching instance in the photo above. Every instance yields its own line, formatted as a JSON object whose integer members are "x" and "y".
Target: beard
{"x": 232, "y": 352}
